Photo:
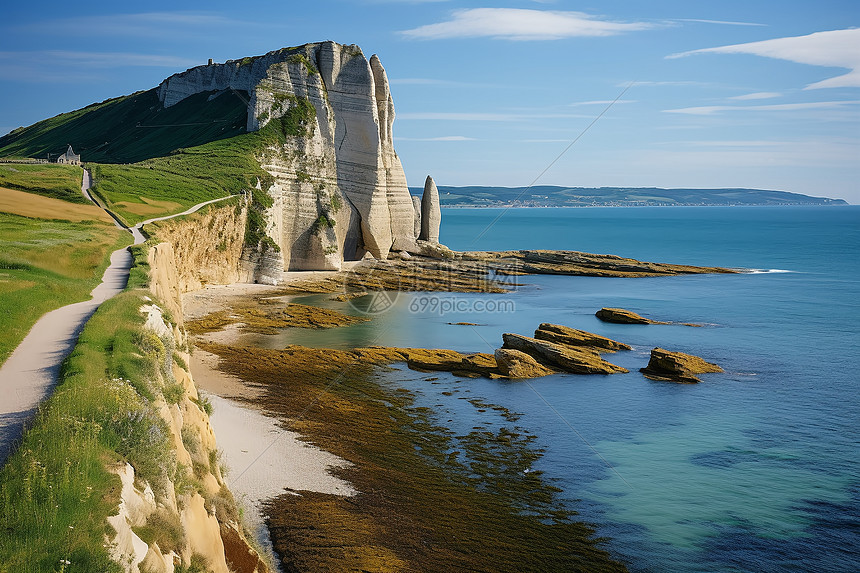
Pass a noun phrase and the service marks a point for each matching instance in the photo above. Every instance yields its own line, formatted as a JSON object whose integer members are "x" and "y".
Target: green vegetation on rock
{"x": 303, "y": 59}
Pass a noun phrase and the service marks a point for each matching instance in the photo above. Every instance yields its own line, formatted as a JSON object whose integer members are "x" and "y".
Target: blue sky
{"x": 762, "y": 94}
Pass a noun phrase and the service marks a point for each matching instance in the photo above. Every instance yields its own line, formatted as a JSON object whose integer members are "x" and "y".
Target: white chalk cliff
{"x": 339, "y": 189}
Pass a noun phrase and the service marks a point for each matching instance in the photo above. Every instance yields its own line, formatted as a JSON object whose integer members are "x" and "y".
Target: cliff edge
{"x": 338, "y": 187}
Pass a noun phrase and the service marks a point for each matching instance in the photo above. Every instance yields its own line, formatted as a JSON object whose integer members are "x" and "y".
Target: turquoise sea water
{"x": 757, "y": 469}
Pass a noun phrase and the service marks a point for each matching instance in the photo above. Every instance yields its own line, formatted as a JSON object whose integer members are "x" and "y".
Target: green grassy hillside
{"x": 58, "y": 181}
{"x": 132, "y": 128}
{"x": 46, "y": 264}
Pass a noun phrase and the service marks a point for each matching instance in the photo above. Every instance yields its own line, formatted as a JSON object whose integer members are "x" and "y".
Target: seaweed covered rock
{"x": 519, "y": 365}
{"x": 573, "y": 337}
{"x": 574, "y": 359}
{"x": 622, "y": 316}
{"x": 669, "y": 366}
{"x": 469, "y": 365}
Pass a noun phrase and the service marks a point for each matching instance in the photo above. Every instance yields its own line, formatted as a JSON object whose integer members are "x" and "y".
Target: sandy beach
{"x": 264, "y": 459}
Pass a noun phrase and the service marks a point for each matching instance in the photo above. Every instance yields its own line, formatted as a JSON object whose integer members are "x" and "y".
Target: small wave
{"x": 766, "y": 271}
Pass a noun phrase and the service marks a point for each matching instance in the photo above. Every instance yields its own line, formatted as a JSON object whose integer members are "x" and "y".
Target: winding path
{"x": 30, "y": 373}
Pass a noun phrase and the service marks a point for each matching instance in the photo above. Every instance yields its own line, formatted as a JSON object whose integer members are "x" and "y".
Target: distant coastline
{"x": 557, "y": 196}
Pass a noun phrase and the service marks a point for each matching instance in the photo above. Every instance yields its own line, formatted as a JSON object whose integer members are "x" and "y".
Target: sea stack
{"x": 431, "y": 212}
{"x": 416, "y": 206}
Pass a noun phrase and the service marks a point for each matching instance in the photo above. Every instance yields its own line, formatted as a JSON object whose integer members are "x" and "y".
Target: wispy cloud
{"x": 715, "y": 109}
{"x": 95, "y": 59}
{"x": 668, "y": 83}
{"x": 757, "y": 95}
{"x": 443, "y": 138}
{"x": 486, "y": 116}
{"x": 522, "y": 24}
{"x": 835, "y": 48}
{"x": 720, "y": 22}
{"x": 740, "y": 143}
{"x": 457, "y": 116}
{"x": 813, "y": 152}
{"x": 62, "y": 66}
{"x": 143, "y": 25}
{"x": 602, "y": 102}
{"x": 420, "y": 82}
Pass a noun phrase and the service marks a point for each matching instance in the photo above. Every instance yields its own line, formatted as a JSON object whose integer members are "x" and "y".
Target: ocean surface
{"x": 756, "y": 469}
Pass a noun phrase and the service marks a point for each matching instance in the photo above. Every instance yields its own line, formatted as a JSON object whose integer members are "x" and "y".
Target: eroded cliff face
{"x": 338, "y": 188}
{"x": 189, "y": 519}
{"x": 200, "y": 249}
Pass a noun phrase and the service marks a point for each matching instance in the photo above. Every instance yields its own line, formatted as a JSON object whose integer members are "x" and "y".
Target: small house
{"x": 69, "y": 157}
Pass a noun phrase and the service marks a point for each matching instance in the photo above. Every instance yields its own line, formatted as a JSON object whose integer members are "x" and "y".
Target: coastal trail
{"x": 30, "y": 373}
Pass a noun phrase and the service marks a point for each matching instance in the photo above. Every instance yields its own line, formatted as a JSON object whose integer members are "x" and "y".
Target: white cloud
{"x": 757, "y": 95}
{"x": 714, "y": 109}
{"x": 835, "y": 48}
{"x": 520, "y": 24}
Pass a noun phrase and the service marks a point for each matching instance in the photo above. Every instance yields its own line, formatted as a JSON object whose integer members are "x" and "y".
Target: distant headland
{"x": 557, "y": 196}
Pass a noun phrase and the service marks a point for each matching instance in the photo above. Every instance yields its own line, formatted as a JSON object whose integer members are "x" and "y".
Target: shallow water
{"x": 752, "y": 470}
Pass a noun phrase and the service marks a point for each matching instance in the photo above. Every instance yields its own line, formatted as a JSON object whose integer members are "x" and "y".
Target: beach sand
{"x": 264, "y": 460}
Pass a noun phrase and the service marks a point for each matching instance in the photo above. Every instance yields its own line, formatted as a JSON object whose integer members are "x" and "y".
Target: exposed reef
{"x": 428, "y": 500}
{"x": 480, "y": 271}
{"x": 671, "y": 366}
{"x": 254, "y": 317}
{"x": 580, "y": 264}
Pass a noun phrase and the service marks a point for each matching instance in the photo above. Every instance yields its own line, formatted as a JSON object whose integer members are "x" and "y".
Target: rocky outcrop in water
{"x": 573, "y": 337}
{"x": 573, "y": 359}
{"x": 516, "y": 364}
{"x": 622, "y": 316}
{"x": 431, "y": 212}
{"x": 671, "y": 366}
{"x": 338, "y": 187}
